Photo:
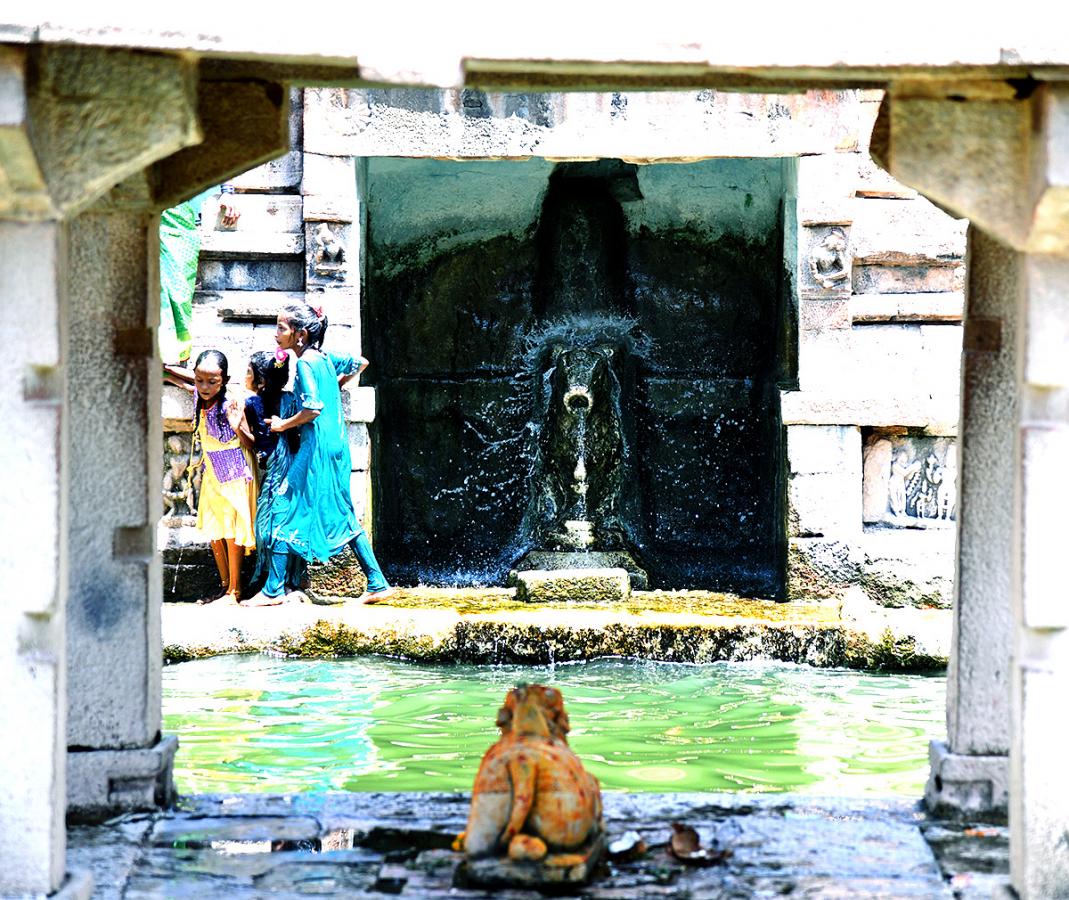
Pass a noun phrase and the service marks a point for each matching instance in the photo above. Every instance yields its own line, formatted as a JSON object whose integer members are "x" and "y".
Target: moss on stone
{"x": 889, "y": 653}
{"x": 330, "y": 639}
{"x": 176, "y": 653}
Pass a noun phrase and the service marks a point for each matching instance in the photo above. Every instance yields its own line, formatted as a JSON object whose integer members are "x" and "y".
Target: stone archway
{"x": 95, "y": 141}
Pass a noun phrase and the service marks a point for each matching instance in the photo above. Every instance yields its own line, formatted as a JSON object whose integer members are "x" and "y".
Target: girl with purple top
{"x": 227, "y": 506}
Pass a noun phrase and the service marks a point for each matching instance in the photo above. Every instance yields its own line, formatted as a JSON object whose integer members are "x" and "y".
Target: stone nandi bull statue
{"x": 533, "y": 804}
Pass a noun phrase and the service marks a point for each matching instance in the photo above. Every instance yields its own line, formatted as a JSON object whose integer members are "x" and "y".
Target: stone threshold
{"x": 256, "y": 845}
{"x": 490, "y": 626}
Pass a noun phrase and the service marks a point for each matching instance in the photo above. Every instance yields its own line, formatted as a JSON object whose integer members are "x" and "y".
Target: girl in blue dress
{"x": 315, "y": 519}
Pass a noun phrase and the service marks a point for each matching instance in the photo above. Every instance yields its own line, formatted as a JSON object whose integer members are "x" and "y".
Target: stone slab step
{"x": 260, "y": 214}
{"x": 255, "y": 244}
{"x": 573, "y": 585}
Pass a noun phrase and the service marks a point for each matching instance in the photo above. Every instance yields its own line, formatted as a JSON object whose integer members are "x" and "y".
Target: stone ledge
{"x": 489, "y": 626}
{"x": 254, "y": 244}
{"x": 937, "y": 415}
{"x": 924, "y": 307}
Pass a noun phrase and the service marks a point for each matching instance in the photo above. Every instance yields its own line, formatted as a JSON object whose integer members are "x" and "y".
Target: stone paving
{"x": 250, "y": 846}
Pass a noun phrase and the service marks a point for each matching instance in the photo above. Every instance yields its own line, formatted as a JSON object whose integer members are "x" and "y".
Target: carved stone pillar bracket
{"x": 87, "y": 119}
{"x": 106, "y": 782}
{"x": 987, "y": 151}
{"x": 245, "y": 123}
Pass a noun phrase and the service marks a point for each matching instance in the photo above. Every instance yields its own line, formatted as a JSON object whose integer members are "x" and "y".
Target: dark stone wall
{"x": 449, "y": 334}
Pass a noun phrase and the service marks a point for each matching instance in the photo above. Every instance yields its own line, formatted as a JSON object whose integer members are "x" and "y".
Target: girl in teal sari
{"x": 317, "y": 520}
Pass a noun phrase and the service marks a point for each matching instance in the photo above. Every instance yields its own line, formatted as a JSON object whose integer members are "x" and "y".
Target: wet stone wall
{"x": 492, "y": 287}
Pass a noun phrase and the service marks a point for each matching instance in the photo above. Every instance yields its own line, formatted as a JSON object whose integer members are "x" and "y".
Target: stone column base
{"x": 78, "y": 885}
{"x": 104, "y": 783}
{"x": 962, "y": 786}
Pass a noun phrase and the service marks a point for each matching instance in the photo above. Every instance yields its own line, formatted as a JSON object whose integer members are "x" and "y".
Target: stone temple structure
{"x": 783, "y": 319}
{"x": 101, "y": 128}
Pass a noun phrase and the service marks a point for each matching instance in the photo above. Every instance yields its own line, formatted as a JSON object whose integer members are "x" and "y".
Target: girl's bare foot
{"x": 370, "y": 597}
{"x": 261, "y": 599}
{"x": 218, "y": 598}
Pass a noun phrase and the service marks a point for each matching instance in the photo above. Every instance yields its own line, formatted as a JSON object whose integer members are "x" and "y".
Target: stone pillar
{"x": 1039, "y": 782}
{"x": 1011, "y": 178}
{"x": 970, "y": 771}
{"x": 117, "y": 759}
{"x": 33, "y": 565}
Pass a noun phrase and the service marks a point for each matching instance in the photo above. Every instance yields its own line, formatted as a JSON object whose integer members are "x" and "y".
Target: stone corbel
{"x": 245, "y": 123}
{"x": 76, "y": 121}
{"x": 993, "y": 152}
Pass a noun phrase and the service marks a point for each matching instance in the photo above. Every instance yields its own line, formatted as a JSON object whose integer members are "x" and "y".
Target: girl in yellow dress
{"x": 226, "y": 512}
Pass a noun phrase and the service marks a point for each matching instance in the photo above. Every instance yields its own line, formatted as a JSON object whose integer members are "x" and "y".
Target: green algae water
{"x": 259, "y": 723}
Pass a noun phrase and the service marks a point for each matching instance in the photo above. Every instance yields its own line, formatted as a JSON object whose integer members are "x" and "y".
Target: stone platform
{"x": 488, "y": 626}
{"x": 343, "y": 845}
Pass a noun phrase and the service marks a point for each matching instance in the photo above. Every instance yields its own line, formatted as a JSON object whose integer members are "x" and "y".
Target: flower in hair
{"x": 280, "y": 357}
{"x": 318, "y": 310}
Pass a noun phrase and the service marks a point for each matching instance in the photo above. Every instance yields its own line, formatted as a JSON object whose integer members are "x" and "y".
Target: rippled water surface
{"x": 257, "y": 723}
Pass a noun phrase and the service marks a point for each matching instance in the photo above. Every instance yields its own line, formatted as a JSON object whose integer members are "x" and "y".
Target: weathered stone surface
{"x": 883, "y": 279}
{"x": 962, "y": 785}
{"x": 248, "y": 306}
{"x": 914, "y": 233}
{"x": 577, "y": 559}
{"x": 340, "y": 577}
{"x": 32, "y": 620}
{"x": 821, "y": 315}
{"x": 819, "y": 449}
{"x": 679, "y": 627}
{"x": 920, "y": 307}
{"x": 282, "y": 174}
{"x": 639, "y": 126}
{"x": 935, "y": 413}
{"x": 917, "y": 633}
{"x": 103, "y": 783}
{"x": 399, "y": 843}
{"x": 825, "y": 505}
{"x": 243, "y": 123}
{"x": 251, "y": 244}
{"x": 252, "y": 274}
{"x": 259, "y": 214}
{"x": 98, "y": 117}
{"x": 565, "y": 585}
{"x": 570, "y": 869}
{"x": 329, "y": 188}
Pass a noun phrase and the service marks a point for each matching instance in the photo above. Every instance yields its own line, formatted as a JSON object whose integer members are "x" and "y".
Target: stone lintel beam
{"x": 75, "y": 121}
{"x": 996, "y": 153}
{"x": 245, "y": 123}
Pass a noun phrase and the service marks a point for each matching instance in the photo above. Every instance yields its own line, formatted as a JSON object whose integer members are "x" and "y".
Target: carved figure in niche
{"x": 330, "y": 251}
{"x": 827, "y": 261}
{"x": 178, "y": 497}
{"x": 901, "y": 470}
{"x": 915, "y": 486}
{"x": 532, "y": 794}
